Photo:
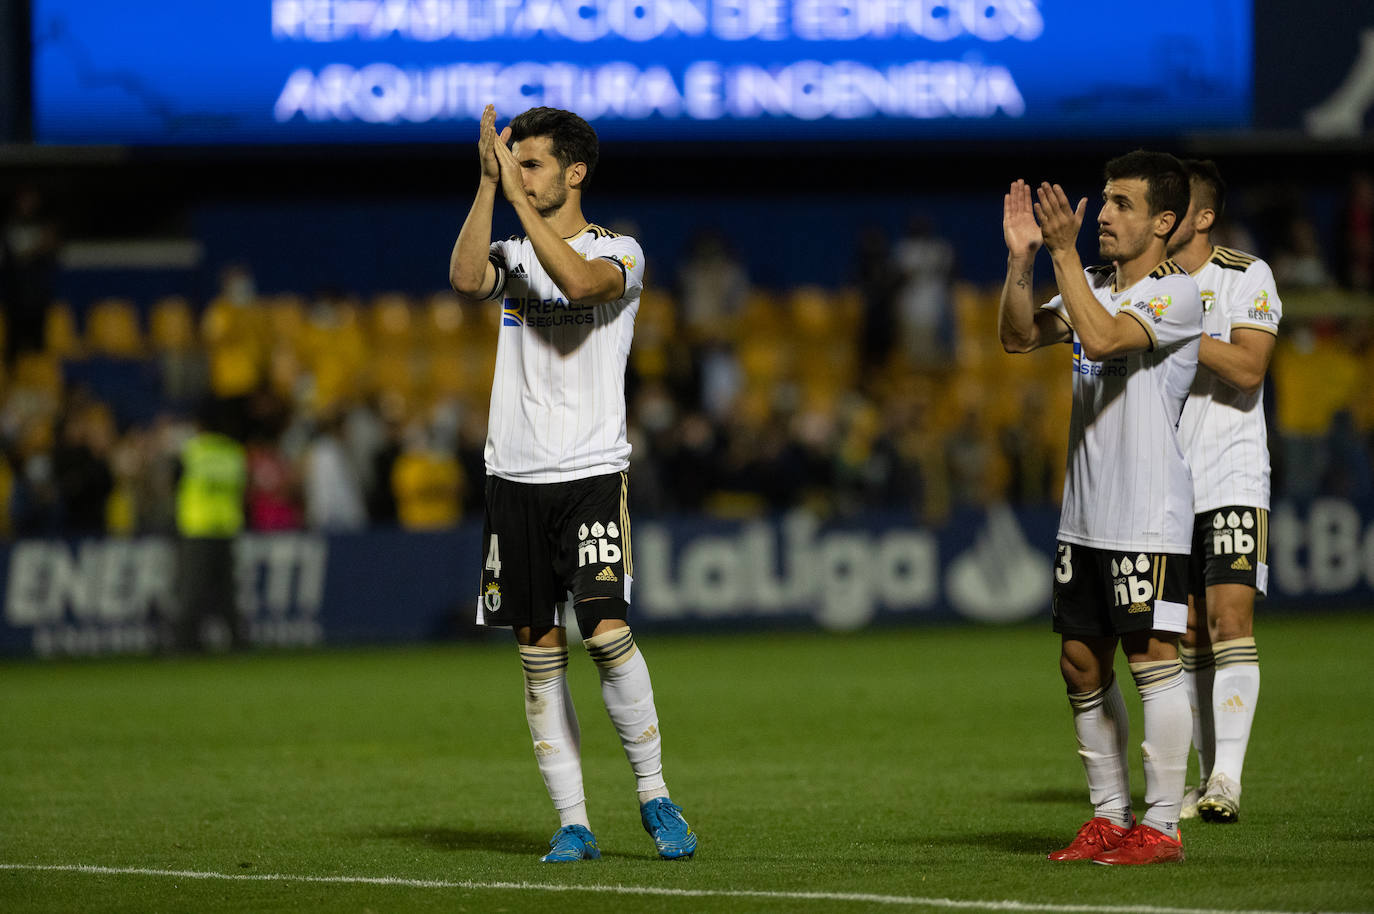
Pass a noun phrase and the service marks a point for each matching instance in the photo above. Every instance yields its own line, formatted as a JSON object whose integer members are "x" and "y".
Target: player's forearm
{"x": 1016, "y": 313}
{"x": 1238, "y": 366}
{"x": 572, "y": 274}
{"x": 468, "y": 262}
{"x": 1098, "y": 331}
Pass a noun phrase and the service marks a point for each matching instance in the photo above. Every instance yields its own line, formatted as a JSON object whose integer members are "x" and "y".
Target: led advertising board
{"x": 156, "y": 72}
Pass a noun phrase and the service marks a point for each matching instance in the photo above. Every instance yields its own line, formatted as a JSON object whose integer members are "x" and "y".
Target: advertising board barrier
{"x": 303, "y": 590}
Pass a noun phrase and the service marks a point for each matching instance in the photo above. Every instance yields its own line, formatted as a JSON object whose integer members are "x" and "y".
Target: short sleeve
{"x": 1168, "y": 307}
{"x": 1056, "y": 307}
{"x": 1255, "y": 304}
{"x": 624, "y": 252}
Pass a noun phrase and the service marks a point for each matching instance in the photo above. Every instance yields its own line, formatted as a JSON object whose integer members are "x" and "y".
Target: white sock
{"x": 629, "y": 697}
{"x": 1199, "y": 670}
{"x": 554, "y": 730}
{"x": 1234, "y": 697}
{"x": 1103, "y": 729}
{"x": 1168, "y": 725}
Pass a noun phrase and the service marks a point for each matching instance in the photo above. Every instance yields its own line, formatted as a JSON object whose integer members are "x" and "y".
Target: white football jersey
{"x": 558, "y": 398}
{"x": 1128, "y": 485}
{"x": 1224, "y": 433}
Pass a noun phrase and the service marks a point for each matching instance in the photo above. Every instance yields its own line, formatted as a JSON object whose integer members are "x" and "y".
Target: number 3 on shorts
{"x": 494, "y": 557}
{"x": 1063, "y": 566}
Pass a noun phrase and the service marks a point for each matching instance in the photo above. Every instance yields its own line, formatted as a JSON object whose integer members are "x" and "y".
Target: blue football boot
{"x": 672, "y": 835}
{"x": 570, "y": 844}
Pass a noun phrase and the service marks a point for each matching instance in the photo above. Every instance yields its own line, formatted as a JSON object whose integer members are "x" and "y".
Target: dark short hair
{"x": 572, "y": 139}
{"x": 1204, "y": 173}
{"x": 1166, "y": 181}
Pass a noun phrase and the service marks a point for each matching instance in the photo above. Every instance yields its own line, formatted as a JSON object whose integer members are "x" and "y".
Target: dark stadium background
{"x": 366, "y": 219}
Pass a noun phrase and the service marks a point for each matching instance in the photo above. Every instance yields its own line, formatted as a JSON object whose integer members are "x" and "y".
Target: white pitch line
{"x": 906, "y": 900}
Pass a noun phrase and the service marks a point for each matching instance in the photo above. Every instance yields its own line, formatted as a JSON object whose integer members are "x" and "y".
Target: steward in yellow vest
{"x": 210, "y": 514}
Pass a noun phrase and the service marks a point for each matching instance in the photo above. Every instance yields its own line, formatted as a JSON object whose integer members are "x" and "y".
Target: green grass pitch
{"x": 905, "y": 769}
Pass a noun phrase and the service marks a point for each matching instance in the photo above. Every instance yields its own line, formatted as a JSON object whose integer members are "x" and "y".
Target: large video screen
{"x": 203, "y": 72}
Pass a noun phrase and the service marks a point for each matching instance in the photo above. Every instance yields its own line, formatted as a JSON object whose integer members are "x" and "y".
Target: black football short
{"x": 1100, "y": 592}
{"x": 1230, "y": 546}
{"x": 544, "y": 544}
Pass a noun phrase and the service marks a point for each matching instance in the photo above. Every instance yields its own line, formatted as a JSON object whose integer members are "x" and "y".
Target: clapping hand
{"x": 486, "y": 146}
{"x": 1059, "y": 222}
{"x": 1019, "y": 228}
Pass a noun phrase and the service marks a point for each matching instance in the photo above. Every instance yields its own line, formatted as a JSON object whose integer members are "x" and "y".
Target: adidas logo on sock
{"x": 1241, "y": 564}
{"x": 1233, "y": 705}
{"x": 607, "y": 574}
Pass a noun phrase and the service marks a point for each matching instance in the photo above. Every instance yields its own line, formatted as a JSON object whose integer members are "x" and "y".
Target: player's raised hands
{"x": 1059, "y": 221}
{"x": 512, "y": 181}
{"x": 486, "y": 146}
{"x": 1019, "y": 228}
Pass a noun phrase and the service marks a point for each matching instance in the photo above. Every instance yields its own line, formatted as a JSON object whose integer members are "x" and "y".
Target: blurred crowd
{"x": 889, "y": 393}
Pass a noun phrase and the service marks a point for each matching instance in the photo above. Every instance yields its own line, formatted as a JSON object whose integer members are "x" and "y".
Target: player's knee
{"x": 611, "y": 648}
{"x": 1079, "y": 677}
{"x": 1231, "y": 619}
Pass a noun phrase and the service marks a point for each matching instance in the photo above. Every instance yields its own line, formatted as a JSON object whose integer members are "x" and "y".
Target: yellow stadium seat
{"x": 286, "y": 319}
{"x": 442, "y": 319}
{"x": 38, "y": 371}
{"x": 764, "y": 361}
{"x": 60, "y": 336}
{"x": 391, "y": 320}
{"x": 112, "y": 329}
{"x": 813, "y": 313}
{"x": 657, "y": 317}
{"x": 394, "y": 371}
{"x": 171, "y": 325}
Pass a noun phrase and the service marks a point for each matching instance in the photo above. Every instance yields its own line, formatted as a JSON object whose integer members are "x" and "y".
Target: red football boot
{"x": 1097, "y": 836}
{"x": 1143, "y": 844}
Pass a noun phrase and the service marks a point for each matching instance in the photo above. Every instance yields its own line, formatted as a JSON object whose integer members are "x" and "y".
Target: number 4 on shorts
{"x": 494, "y": 557}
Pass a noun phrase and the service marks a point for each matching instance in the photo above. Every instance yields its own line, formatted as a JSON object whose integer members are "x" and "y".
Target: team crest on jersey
{"x": 1209, "y": 298}
{"x": 492, "y": 597}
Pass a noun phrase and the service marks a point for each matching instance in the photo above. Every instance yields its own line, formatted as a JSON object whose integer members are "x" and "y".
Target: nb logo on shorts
{"x": 1130, "y": 589}
{"x": 595, "y": 546}
{"x": 1229, "y": 536}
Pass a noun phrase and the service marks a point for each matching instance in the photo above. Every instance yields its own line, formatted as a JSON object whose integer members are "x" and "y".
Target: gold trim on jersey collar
{"x": 578, "y": 232}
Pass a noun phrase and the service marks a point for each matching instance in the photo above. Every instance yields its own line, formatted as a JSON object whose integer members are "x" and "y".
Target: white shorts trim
{"x": 1170, "y": 617}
